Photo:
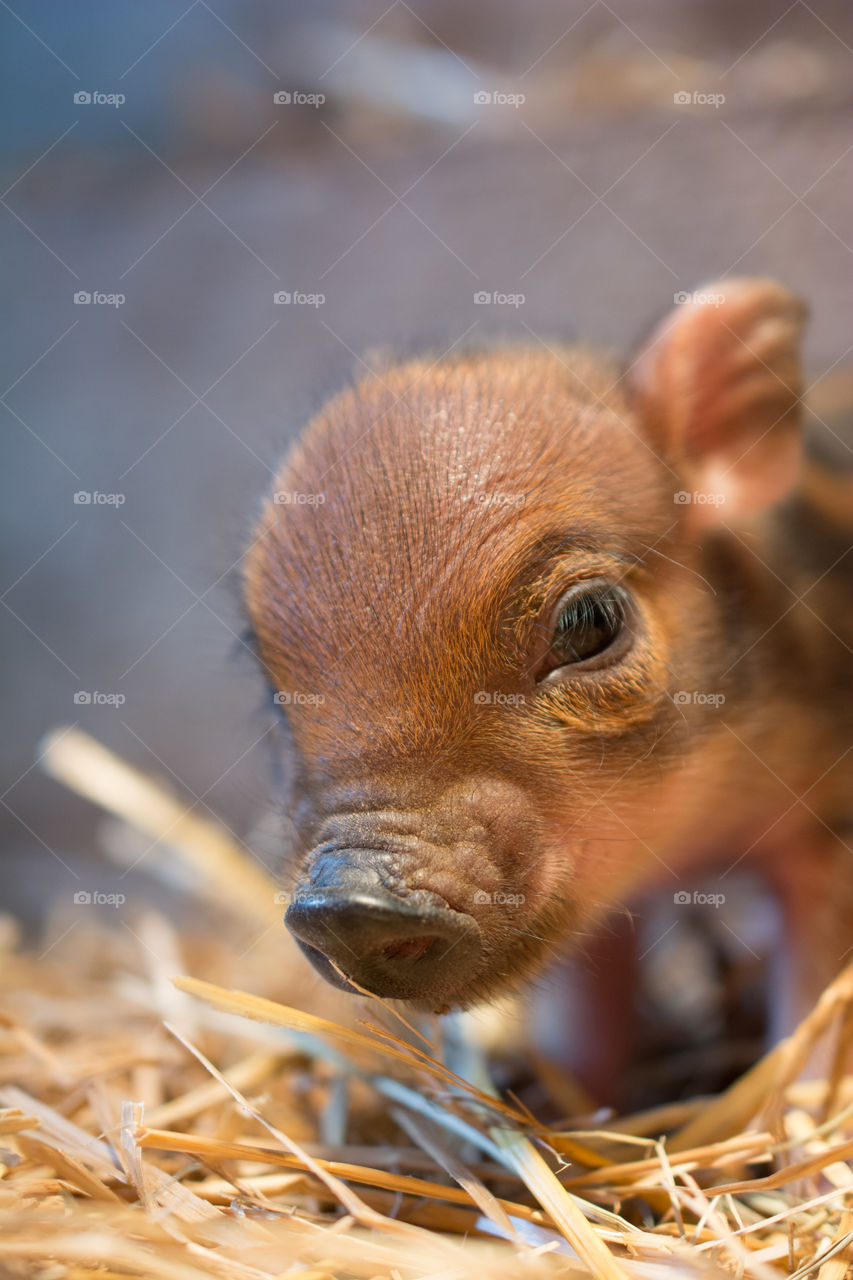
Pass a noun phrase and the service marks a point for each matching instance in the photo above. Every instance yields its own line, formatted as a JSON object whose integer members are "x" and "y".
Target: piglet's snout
{"x": 408, "y": 946}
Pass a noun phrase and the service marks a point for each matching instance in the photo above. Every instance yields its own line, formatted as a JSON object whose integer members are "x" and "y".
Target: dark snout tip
{"x": 412, "y": 948}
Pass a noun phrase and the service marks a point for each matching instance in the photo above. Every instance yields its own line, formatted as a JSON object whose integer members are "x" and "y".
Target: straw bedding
{"x": 154, "y": 1123}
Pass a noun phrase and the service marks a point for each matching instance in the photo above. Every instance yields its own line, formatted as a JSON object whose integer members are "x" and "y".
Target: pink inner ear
{"x": 747, "y": 486}
{"x": 718, "y": 386}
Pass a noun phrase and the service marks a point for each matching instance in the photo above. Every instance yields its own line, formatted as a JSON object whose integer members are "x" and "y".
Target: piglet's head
{"x": 475, "y": 594}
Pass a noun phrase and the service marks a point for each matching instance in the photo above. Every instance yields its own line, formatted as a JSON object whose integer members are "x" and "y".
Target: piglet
{"x": 550, "y": 631}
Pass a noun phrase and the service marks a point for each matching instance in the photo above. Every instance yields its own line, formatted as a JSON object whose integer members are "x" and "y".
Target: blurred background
{"x": 214, "y": 214}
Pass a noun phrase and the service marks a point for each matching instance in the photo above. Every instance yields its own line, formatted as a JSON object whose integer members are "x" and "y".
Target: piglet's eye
{"x": 589, "y": 627}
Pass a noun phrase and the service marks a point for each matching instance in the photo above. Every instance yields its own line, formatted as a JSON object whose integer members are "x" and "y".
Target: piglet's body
{"x": 554, "y": 632}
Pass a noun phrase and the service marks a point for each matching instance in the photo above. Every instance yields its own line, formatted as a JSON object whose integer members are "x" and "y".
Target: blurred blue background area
{"x": 159, "y": 55}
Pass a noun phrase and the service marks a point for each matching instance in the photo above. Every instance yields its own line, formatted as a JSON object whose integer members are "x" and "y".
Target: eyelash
{"x": 596, "y": 614}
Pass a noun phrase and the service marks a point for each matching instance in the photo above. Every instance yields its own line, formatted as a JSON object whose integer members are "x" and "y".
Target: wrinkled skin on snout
{"x": 410, "y": 899}
{"x": 478, "y": 597}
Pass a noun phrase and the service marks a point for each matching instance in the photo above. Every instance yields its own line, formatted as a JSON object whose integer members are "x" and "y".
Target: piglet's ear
{"x": 718, "y": 388}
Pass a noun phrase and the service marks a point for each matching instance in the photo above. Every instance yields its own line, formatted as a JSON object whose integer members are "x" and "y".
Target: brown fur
{"x": 406, "y": 592}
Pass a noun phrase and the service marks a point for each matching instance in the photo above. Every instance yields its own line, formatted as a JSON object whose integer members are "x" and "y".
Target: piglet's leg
{"x": 814, "y": 885}
{"x": 583, "y": 1014}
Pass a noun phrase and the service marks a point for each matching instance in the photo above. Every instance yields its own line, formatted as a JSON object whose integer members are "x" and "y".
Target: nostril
{"x": 408, "y": 948}
{"x": 383, "y": 941}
